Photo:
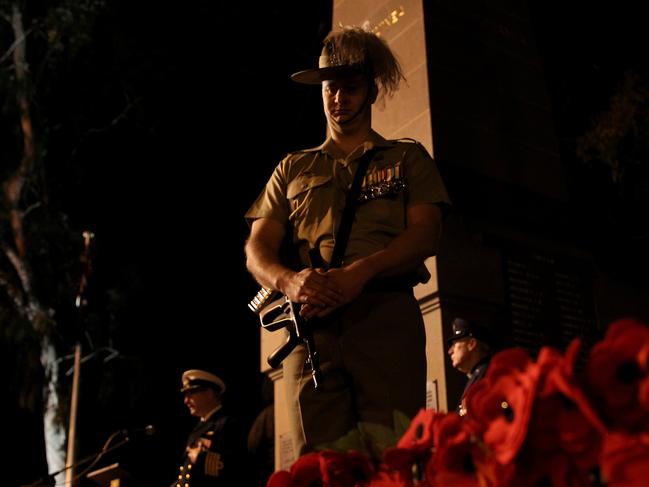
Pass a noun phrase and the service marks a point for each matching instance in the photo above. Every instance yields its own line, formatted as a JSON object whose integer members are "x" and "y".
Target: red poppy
{"x": 386, "y": 477}
{"x": 344, "y": 469}
{"x": 564, "y": 434}
{"x": 613, "y": 375}
{"x": 452, "y": 461}
{"x": 415, "y": 446}
{"x": 499, "y": 406}
{"x": 305, "y": 472}
{"x": 544, "y": 455}
{"x": 564, "y": 420}
{"x": 455, "y": 479}
{"x": 625, "y": 459}
{"x": 280, "y": 478}
{"x": 491, "y": 473}
{"x": 532, "y": 466}
{"x": 643, "y": 386}
{"x": 556, "y": 470}
{"x": 453, "y": 452}
{"x": 419, "y": 437}
{"x": 402, "y": 463}
{"x": 536, "y": 422}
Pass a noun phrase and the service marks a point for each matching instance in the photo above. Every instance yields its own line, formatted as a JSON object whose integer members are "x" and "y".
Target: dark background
{"x": 217, "y": 112}
{"x": 193, "y": 107}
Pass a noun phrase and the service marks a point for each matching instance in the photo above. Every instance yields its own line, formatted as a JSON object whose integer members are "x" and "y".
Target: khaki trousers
{"x": 373, "y": 363}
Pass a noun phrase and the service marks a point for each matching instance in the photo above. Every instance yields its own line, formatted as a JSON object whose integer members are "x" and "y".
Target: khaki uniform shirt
{"x": 308, "y": 189}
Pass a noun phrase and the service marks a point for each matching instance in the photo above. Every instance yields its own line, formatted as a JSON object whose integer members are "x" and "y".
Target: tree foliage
{"x": 40, "y": 247}
{"x": 39, "y": 265}
{"x": 619, "y": 137}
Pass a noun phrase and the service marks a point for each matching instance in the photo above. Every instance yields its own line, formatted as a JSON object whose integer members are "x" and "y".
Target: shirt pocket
{"x": 310, "y": 199}
{"x": 304, "y": 183}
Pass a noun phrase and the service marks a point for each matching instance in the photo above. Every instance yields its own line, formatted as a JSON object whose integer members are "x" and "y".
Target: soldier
{"x": 366, "y": 322}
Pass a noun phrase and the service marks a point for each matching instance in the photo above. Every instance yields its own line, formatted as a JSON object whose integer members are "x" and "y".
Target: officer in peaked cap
{"x": 215, "y": 453}
{"x": 199, "y": 379}
{"x": 470, "y": 348}
{"x": 464, "y": 328}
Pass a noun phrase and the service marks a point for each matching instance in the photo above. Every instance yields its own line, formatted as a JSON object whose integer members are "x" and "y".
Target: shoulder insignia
{"x": 301, "y": 151}
{"x": 416, "y": 143}
{"x": 408, "y": 140}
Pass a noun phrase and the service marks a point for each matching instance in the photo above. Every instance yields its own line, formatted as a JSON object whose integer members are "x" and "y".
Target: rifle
{"x": 276, "y": 311}
{"x": 282, "y": 313}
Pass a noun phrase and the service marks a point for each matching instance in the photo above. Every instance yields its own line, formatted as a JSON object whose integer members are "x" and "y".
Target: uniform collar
{"x": 210, "y": 413}
{"x": 481, "y": 363}
{"x": 374, "y": 139}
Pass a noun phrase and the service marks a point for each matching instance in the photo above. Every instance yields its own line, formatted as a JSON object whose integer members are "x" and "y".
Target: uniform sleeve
{"x": 424, "y": 183}
{"x": 227, "y": 460}
{"x": 272, "y": 201}
{"x": 213, "y": 463}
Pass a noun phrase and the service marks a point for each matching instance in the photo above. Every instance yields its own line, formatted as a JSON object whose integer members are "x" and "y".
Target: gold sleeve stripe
{"x": 213, "y": 464}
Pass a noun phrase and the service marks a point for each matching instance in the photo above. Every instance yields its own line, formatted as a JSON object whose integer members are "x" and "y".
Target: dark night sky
{"x": 206, "y": 109}
{"x": 168, "y": 193}
{"x": 165, "y": 189}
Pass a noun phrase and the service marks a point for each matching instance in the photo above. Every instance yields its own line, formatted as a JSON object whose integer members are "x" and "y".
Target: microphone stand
{"x": 49, "y": 479}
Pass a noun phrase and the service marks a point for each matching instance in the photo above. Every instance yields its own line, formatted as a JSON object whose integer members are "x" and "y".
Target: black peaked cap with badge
{"x": 462, "y": 328}
{"x": 200, "y": 379}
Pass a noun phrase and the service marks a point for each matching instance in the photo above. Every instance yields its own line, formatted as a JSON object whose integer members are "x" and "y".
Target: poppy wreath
{"x": 529, "y": 422}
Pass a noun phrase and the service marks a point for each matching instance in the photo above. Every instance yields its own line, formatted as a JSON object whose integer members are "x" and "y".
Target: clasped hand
{"x": 320, "y": 291}
{"x": 200, "y": 445}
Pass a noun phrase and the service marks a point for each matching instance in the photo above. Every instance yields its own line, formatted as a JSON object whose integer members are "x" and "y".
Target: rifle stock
{"x": 278, "y": 355}
{"x": 276, "y": 311}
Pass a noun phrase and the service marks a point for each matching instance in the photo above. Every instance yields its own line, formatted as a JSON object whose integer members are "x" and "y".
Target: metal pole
{"x": 72, "y": 433}
{"x": 74, "y": 399}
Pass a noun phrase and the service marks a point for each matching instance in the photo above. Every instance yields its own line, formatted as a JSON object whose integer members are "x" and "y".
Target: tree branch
{"x": 14, "y": 294}
{"x": 14, "y": 45}
{"x": 14, "y": 185}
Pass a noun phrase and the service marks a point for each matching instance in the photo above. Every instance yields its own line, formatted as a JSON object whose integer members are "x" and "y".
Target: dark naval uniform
{"x": 462, "y": 328}
{"x": 478, "y": 372}
{"x": 223, "y": 462}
